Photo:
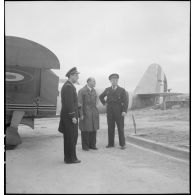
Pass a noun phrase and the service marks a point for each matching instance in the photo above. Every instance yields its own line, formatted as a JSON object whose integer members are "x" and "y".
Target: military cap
{"x": 114, "y": 75}
{"x": 72, "y": 71}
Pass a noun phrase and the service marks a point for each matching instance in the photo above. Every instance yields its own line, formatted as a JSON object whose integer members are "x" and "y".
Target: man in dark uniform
{"x": 117, "y": 105}
{"x": 68, "y": 124}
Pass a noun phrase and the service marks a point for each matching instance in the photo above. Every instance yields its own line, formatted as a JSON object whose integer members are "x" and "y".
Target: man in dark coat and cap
{"x": 117, "y": 105}
{"x": 68, "y": 124}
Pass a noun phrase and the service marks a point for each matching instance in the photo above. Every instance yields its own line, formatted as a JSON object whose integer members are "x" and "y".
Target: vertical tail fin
{"x": 153, "y": 81}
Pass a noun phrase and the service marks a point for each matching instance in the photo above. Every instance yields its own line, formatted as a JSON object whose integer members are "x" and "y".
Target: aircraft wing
{"x": 23, "y": 52}
{"x": 160, "y": 94}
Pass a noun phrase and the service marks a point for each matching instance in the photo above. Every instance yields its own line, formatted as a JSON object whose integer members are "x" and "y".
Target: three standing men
{"x": 117, "y": 105}
{"x": 89, "y": 115}
{"x": 69, "y": 117}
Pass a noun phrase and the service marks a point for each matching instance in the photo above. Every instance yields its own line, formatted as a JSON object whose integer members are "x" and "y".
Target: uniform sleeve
{"x": 125, "y": 101}
{"x": 102, "y": 96}
{"x": 68, "y": 101}
{"x": 80, "y": 102}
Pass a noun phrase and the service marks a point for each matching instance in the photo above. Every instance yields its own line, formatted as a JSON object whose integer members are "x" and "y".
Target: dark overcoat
{"x": 69, "y": 107}
{"x": 87, "y": 101}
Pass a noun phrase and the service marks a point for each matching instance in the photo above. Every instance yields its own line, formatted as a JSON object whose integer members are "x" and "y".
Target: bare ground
{"x": 166, "y": 126}
{"x": 36, "y": 166}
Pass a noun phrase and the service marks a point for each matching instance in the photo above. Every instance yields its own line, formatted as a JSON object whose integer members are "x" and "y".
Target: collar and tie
{"x": 114, "y": 88}
{"x": 90, "y": 89}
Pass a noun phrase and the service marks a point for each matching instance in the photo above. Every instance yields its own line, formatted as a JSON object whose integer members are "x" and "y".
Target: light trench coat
{"x": 87, "y": 101}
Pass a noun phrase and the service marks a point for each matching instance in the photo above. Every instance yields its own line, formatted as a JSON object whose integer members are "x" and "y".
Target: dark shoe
{"x": 94, "y": 148}
{"x": 68, "y": 162}
{"x": 108, "y": 146}
{"x": 86, "y": 149}
{"x": 123, "y": 147}
{"x": 76, "y": 161}
{"x": 71, "y": 162}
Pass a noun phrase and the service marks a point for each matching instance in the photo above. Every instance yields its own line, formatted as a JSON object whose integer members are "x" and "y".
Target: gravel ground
{"x": 166, "y": 126}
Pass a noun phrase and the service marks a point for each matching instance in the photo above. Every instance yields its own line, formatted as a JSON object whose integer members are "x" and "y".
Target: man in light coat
{"x": 89, "y": 115}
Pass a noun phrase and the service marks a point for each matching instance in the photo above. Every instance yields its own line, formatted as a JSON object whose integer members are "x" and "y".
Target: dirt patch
{"x": 166, "y": 126}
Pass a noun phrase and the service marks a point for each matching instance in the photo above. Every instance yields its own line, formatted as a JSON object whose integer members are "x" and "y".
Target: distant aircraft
{"x": 31, "y": 87}
{"x": 150, "y": 91}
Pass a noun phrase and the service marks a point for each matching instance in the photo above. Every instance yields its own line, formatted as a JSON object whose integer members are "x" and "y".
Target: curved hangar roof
{"x": 23, "y": 52}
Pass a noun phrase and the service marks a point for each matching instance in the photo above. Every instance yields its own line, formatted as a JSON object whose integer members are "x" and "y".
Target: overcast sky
{"x": 101, "y": 38}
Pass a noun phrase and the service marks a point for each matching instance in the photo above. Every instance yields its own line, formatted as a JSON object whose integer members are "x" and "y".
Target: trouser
{"x": 114, "y": 115}
{"x": 70, "y": 136}
{"x": 88, "y": 139}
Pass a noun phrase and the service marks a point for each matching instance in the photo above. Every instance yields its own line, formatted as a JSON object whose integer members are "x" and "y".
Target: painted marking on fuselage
{"x": 17, "y": 76}
{"x": 12, "y": 76}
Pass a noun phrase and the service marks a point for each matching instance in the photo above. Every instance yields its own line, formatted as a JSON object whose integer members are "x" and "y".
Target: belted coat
{"x": 87, "y": 101}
